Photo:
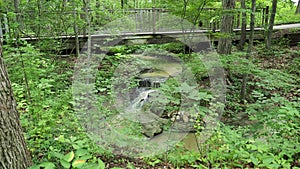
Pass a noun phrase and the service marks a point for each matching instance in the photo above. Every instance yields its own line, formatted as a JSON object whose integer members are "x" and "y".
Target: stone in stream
{"x": 151, "y": 123}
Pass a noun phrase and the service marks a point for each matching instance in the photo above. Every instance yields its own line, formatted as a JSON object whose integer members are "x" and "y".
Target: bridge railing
{"x": 55, "y": 23}
{"x": 149, "y": 19}
{"x": 212, "y": 17}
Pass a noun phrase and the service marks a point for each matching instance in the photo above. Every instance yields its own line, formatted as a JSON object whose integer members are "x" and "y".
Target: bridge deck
{"x": 175, "y": 32}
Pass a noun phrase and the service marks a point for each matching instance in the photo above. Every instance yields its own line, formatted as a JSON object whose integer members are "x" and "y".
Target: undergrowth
{"x": 261, "y": 133}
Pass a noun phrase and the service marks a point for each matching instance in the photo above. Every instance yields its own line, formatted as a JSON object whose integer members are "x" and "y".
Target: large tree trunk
{"x": 298, "y": 8}
{"x": 13, "y": 151}
{"x": 244, "y": 24}
{"x": 249, "y": 50}
{"x": 225, "y": 43}
{"x": 271, "y": 24}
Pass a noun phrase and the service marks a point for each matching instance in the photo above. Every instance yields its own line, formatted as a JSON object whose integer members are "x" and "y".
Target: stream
{"x": 163, "y": 69}
{"x": 143, "y": 124}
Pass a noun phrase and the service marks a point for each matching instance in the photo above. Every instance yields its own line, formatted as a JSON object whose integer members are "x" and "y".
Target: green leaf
{"x": 268, "y": 160}
{"x": 47, "y": 165}
{"x": 81, "y": 152}
{"x": 78, "y": 163}
{"x": 254, "y": 160}
{"x": 60, "y": 138}
{"x": 34, "y": 167}
{"x": 101, "y": 164}
{"x": 65, "y": 164}
{"x": 86, "y": 157}
{"x": 91, "y": 166}
{"x": 69, "y": 157}
{"x": 57, "y": 155}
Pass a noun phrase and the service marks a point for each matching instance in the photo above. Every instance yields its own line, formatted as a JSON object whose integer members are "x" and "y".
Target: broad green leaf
{"x": 69, "y": 157}
{"x": 57, "y": 155}
{"x": 90, "y": 166}
{"x": 78, "y": 163}
{"x": 81, "y": 152}
{"x": 254, "y": 160}
{"x": 101, "y": 164}
{"x": 60, "y": 138}
{"x": 47, "y": 165}
{"x": 34, "y": 167}
{"x": 268, "y": 160}
{"x": 65, "y": 164}
{"x": 86, "y": 157}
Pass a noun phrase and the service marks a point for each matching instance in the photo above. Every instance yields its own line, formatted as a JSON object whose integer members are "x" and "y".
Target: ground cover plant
{"x": 261, "y": 133}
{"x": 147, "y": 100}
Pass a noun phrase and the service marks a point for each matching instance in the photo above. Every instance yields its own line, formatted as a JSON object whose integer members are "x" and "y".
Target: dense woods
{"x": 100, "y": 84}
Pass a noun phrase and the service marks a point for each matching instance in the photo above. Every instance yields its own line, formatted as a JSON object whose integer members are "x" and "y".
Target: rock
{"x": 151, "y": 124}
{"x": 185, "y": 118}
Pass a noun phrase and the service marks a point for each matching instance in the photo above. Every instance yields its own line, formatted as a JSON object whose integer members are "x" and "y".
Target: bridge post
{"x": 153, "y": 19}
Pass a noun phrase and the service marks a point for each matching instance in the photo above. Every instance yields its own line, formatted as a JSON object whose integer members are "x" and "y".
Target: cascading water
{"x": 134, "y": 111}
{"x": 147, "y": 105}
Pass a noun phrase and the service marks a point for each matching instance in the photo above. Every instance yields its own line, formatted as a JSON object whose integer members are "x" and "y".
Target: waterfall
{"x": 133, "y": 111}
{"x": 138, "y": 103}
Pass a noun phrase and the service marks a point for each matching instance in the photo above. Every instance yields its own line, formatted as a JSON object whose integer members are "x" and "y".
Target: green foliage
{"x": 40, "y": 84}
{"x": 80, "y": 158}
{"x": 262, "y": 133}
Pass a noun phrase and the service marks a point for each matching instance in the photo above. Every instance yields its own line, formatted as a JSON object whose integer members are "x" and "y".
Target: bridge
{"x": 148, "y": 25}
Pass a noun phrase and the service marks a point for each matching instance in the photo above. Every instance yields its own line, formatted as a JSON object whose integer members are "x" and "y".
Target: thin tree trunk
{"x": 225, "y": 43}
{"x": 13, "y": 150}
{"x": 249, "y": 50}
{"x": 122, "y": 4}
{"x": 271, "y": 24}
{"x": 298, "y": 8}
{"x": 18, "y": 17}
{"x": 77, "y": 47}
{"x": 64, "y": 4}
{"x": 244, "y": 24}
{"x": 39, "y": 5}
{"x": 88, "y": 21}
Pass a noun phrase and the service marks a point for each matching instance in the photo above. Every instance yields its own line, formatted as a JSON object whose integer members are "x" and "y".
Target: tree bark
{"x": 225, "y": 43}
{"x": 13, "y": 150}
{"x": 122, "y": 4}
{"x": 64, "y": 4}
{"x": 249, "y": 50}
{"x": 88, "y": 21}
{"x": 298, "y": 8}
{"x": 271, "y": 24}
{"x": 244, "y": 25}
{"x": 18, "y": 17}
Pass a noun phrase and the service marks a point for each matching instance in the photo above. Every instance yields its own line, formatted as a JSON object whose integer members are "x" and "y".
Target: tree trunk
{"x": 249, "y": 50}
{"x": 298, "y": 8}
{"x": 122, "y": 4}
{"x": 75, "y": 27}
{"x": 64, "y": 4}
{"x": 13, "y": 151}
{"x": 225, "y": 43}
{"x": 271, "y": 24}
{"x": 18, "y": 18}
{"x": 88, "y": 21}
{"x": 244, "y": 24}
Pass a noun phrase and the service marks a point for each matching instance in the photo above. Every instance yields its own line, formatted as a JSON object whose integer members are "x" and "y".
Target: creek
{"x": 162, "y": 68}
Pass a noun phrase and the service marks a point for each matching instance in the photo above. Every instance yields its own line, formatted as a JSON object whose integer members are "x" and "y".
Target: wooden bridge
{"x": 67, "y": 43}
{"x": 148, "y": 26}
